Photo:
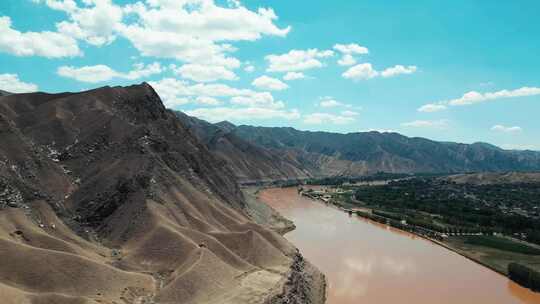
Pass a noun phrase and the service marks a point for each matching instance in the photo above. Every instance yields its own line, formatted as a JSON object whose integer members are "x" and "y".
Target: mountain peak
{"x": 226, "y": 125}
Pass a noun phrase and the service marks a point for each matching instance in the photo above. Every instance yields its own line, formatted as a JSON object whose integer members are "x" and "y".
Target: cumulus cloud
{"x": 431, "y": 107}
{"x": 101, "y": 73}
{"x": 297, "y": 60}
{"x": 294, "y": 76}
{"x": 347, "y": 60}
{"x": 440, "y": 124}
{"x": 269, "y": 83}
{"x": 204, "y": 73}
{"x": 249, "y": 68}
{"x": 95, "y": 22}
{"x": 350, "y": 49}
{"x": 44, "y": 44}
{"x": 205, "y": 100}
{"x": 258, "y": 99}
{"x": 360, "y": 71}
{"x": 474, "y": 97}
{"x": 505, "y": 129}
{"x": 325, "y": 118}
{"x": 366, "y": 71}
{"x": 176, "y": 92}
{"x": 347, "y": 51}
{"x": 12, "y": 84}
{"x": 328, "y": 102}
{"x": 196, "y": 31}
{"x": 240, "y": 114}
{"x": 397, "y": 70}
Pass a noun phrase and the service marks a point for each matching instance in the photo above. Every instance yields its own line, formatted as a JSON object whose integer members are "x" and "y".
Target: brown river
{"x": 370, "y": 263}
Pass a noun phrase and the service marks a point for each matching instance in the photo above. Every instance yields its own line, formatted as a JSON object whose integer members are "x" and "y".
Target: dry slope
{"x": 105, "y": 197}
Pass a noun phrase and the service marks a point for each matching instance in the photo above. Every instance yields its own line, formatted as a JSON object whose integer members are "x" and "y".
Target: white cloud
{"x": 324, "y": 118}
{"x": 294, "y": 76}
{"x": 258, "y": 99}
{"x": 474, "y": 97}
{"x": 92, "y": 74}
{"x": 196, "y": 31}
{"x": 101, "y": 73}
{"x": 96, "y": 22}
{"x": 347, "y": 60}
{"x": 45, "y": 44}
{"x": 431, "y": 107}
{"x": 205, "y": 100}
{"x": 440, "y": 124}
{"x": 350, "y": 49}
{"x": 204, "y": 73}
{"x": 175, "y": 92}
{"x": 329, "y": 103}
{"x": 397, "y": 70}
{"x": 504, "y": 129}
{"x": 361, "y": 71}
{"x": 12, "y": 84}
{"x": 269, "y": 83}
{"x": 365, "y": 71}
{"x": 241, "y": 114}
{"x": 191, "y": 31}
{"x": 249, "y": 68}
{"x": 297, "y": 60}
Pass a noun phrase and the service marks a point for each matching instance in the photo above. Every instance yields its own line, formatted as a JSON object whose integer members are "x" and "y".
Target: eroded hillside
{"x": 105, "y": 197}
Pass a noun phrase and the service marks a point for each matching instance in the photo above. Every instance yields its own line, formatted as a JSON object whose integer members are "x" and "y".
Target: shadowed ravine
{"x": 370, "y": 263}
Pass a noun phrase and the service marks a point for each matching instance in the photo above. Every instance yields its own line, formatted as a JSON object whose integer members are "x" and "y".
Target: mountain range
{"x": 263, "y": 153}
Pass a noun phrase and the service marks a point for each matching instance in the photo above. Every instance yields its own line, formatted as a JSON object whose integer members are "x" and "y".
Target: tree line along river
{"x": 366, "y": 262}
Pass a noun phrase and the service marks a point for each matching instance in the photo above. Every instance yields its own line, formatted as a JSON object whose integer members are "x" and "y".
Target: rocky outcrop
{"x": 304, "y": 284}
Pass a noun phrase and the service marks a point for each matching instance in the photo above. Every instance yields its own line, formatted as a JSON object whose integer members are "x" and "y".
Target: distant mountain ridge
{"x": 393, "y": 152}
{"x": 292, "y": 153}
{"x": 249, "y": 162}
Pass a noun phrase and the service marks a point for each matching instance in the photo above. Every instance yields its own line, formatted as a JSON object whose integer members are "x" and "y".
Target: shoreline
{"x": 303, "y": 283}
{"x": 434, "y": 241}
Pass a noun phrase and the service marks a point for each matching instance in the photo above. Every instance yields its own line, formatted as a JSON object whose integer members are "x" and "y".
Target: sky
{"x": 461, "y": 70}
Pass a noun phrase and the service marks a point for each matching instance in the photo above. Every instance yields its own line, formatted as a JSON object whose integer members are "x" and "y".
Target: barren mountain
{"x": 106, "y": 197}
{"x": 370, "y": 152}
{"x": 248, "y": 161}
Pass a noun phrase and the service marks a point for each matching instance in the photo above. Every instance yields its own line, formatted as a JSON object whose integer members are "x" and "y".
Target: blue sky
{"x": 462, "y": 71}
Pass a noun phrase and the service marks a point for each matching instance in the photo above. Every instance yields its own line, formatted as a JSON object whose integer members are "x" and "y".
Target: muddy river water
{"x": 371, "y": 263}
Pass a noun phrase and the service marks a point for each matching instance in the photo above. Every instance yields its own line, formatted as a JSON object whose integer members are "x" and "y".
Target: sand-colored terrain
{"x": 106, "y": 197}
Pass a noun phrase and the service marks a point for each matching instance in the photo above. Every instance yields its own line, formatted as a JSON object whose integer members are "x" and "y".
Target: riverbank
{"x": 491, "y": 258}
{"x": 360, "y": 259}
{"x": 303, "y": 283}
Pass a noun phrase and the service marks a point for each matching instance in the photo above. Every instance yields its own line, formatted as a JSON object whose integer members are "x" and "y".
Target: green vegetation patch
{"x": 501, "y": 244}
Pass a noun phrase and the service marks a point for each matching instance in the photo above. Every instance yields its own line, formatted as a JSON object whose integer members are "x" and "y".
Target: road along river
{"x": 370, "y": 263}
